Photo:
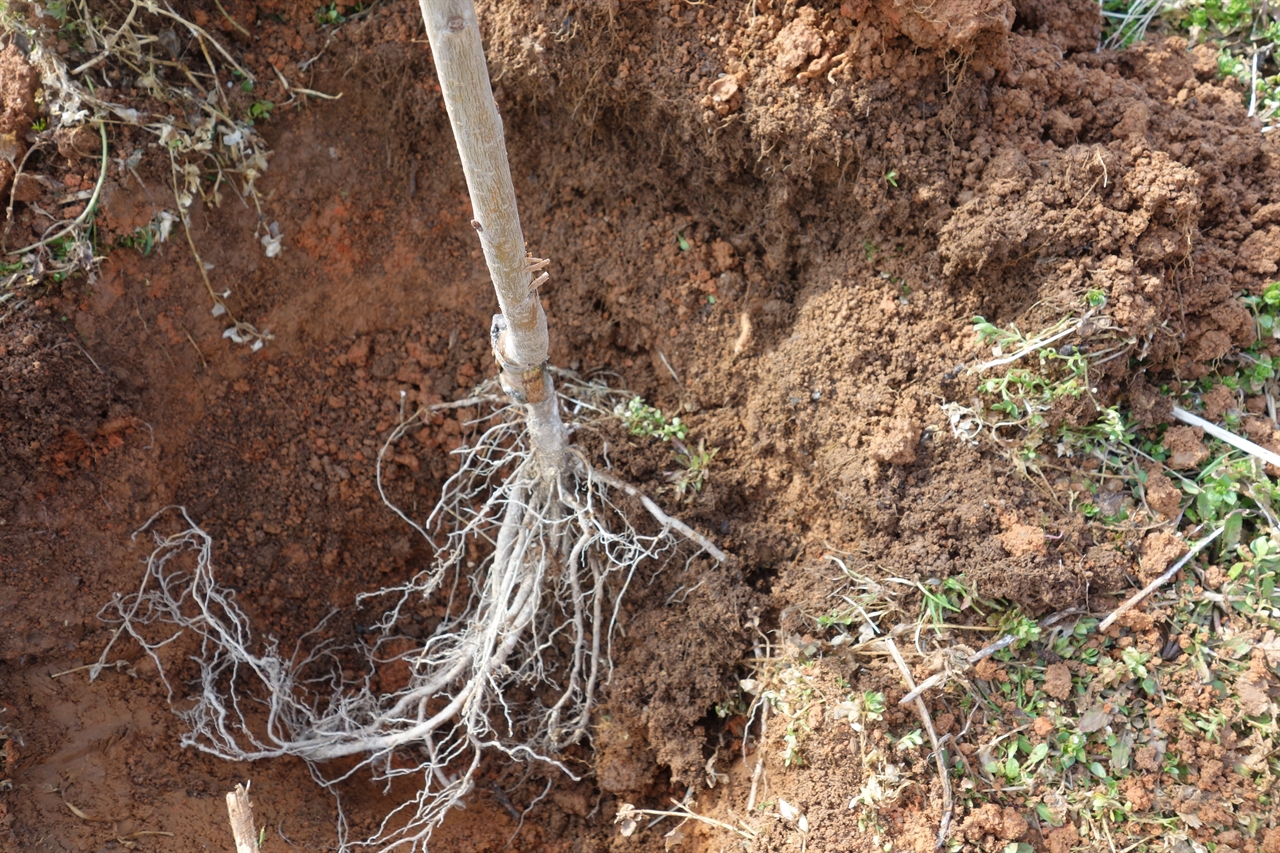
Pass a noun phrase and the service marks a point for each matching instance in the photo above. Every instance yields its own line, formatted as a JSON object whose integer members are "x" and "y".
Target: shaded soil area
{"x": 778, "y": 221}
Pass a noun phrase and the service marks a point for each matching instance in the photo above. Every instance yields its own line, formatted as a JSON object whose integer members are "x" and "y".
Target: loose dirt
{"x": 775, "y": 220}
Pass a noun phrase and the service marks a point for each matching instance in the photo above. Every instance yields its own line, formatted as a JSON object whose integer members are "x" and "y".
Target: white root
{"x": 540, "y": 612}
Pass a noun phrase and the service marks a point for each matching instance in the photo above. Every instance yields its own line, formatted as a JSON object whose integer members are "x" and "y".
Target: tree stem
{"x": 519, "y": 333}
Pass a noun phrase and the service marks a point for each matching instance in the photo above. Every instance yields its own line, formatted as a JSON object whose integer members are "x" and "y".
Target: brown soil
{"x": 810, "y": 331}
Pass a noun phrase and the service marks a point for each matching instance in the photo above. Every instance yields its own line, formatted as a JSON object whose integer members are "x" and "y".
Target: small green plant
{"x": 1265, "y": 308}
{"x": 1028, "y": 402}
{"x": 40, "y": 124}
{"x": 695, "y": 462}
{"x": 328, "y": 15}
{"x": 1246, "y": 33}
{"x": 642, "y": 419}
{"x": 1061, "y": 373}
{"x": 682, "y": 242}
{"x": 891, "y": 177}
{"x": 911, "y": 740}
{"x": 260, "y": 111}
{"x": 246, "y": 85}
{"x": 940, "y": 598}
{"x": 1223, "y": 18}
{"x": 57, "y": 9}
{"x": 143, "y": 240}
{"x": 792, "y": 694}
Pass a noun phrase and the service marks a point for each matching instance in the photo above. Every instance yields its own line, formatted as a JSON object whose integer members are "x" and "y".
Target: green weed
{"x": 57, "y": 9}
{"x": 691, "y": 477}
{"x": 260, "y": 111}
{"x": 329, "y": 15}
{"x": 143, "y": 240}
{"x": 642, "y": 419}
{"x": 1246, "y": 33}
{"x": 1069, "y": 759}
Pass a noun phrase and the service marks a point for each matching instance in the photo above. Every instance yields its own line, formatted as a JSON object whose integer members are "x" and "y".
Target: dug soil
{"x": 775, "y": 220}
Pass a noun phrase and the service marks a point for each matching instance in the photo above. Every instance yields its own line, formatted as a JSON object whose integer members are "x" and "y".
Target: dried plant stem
{"x": 757, "y": 773}
{"x": 630, "y": 812}
{"x": 89, "y": 207}
{"x": 1158, "y": 582}
{"x": 1268, "y": 456}
{"x": 1033, "y": 345}
{"x": 944, "y": 826}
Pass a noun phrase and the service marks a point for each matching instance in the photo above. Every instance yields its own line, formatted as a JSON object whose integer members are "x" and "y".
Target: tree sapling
{"x": 539, "y": 609}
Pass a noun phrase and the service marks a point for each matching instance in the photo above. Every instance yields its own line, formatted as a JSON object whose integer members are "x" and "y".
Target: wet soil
{"x": 778, "y": 221}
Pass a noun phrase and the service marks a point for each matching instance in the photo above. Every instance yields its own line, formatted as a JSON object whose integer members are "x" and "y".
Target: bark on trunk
{"x": 519, "y": 333}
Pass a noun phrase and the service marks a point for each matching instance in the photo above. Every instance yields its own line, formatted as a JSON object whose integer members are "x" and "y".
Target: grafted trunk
{"x": 519, "y": 333}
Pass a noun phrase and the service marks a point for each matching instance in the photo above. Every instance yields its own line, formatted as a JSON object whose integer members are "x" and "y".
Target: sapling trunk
{"x": 519, "y": 333}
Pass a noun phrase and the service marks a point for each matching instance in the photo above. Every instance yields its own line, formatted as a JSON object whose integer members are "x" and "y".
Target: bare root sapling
{"x": 538, "y": 611}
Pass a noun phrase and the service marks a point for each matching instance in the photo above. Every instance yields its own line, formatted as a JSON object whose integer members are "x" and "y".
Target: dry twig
{"x": 1268, "y": 456}
{"x": 1158, "y": 582}
{"x": 945, "y": 825}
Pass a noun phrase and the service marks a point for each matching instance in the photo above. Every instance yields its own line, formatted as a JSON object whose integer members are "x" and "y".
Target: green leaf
{"x": 1121, "y": 751}
{"x": 1204, "y": 508}
{"x": 1038, "y": 754}
{"x": 1046, "y": 815}
{"x": 1231, "y": 530}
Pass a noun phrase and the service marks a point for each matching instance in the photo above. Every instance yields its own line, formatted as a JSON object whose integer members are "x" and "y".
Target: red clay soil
{"x": 853, "y": 182}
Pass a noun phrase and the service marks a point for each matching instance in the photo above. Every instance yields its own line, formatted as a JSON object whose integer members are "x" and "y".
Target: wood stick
{"x": 241, "y": 812}
{"x": 454, "y": 33}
